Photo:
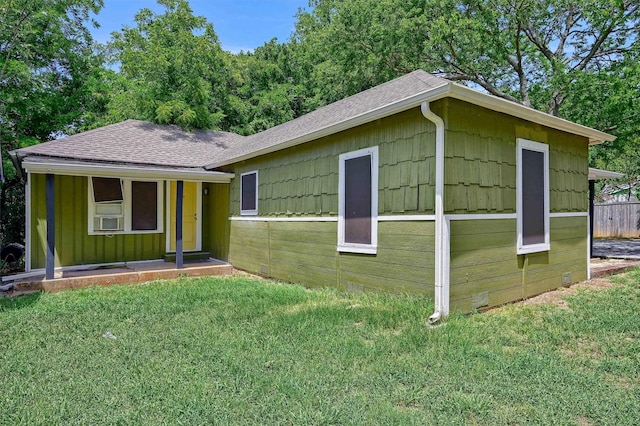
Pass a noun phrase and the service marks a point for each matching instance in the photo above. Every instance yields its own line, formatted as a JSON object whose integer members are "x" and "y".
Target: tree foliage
{"x": 265, "y": 88}
{"x": 46, "y": 59}
{"x": 526, "y": 51}
{"x": 172, "y": 68}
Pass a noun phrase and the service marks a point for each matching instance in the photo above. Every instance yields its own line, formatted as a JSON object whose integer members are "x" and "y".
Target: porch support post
{"x": 51, "y": 226}
{"x": 592, "y": 192}
{"x": 179, "y": 201}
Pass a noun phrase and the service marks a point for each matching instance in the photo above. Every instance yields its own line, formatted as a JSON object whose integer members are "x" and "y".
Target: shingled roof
{"x": 312, "y": 125}
{"x": 139, "y": 142}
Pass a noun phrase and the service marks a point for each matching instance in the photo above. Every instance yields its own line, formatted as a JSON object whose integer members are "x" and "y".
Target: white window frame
{"x": 357, "y": 247}
{"x": 252, "y": 212}
{"x": 523, "y": 144}
{"x": 126, "y": 208}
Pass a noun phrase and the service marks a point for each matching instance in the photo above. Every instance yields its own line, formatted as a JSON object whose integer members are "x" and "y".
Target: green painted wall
{"x": 305, "y": 252}
{"x": 74, "y": 246}
{"x": 303, "y": 180}
{"x": 480, "y": 177}
{"x": 480, "y": 161}
{"x": 215, "y": 224}
{"x": 484, "y": 260}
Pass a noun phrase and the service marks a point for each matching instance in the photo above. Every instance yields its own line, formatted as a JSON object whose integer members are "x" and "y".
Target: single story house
{"x": 418, "y": 185}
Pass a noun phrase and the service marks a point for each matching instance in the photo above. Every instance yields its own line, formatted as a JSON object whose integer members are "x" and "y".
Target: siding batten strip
{"x": 51, "y": 226}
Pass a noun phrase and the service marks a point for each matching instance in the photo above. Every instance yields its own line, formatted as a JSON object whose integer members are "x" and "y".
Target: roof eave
{"x": 110, "y": 170}
{"x": 449, "y": 89}
{"x": 595, "y": 174}
{"x": 494, "y": 103}
{"x": 376, "y": 114}
{"x": 17, "y": 163}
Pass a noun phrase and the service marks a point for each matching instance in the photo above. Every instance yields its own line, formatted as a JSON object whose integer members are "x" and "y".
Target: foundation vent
{"x": 479, "y": 300}
{"x": 566, "y": 278}
{"x": 355, "y": 288}
{"x": 264, "y": 270}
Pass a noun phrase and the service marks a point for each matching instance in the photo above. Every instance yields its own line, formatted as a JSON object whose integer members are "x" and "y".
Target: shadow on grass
{"x": 19, "y": 302}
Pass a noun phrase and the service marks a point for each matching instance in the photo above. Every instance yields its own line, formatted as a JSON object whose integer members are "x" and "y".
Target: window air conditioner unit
{"x": 110, "y": 223}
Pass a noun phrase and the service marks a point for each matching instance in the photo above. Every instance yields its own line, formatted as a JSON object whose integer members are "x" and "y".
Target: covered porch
{"x": 116, "y": 214}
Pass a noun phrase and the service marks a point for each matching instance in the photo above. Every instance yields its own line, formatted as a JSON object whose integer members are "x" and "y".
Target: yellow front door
{"x": 190, "y": 216}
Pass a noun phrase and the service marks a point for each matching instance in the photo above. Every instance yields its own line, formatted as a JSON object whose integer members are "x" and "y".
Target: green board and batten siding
{"x": 480, "y": 178}
{"x": 74, "y": 245}
{"x": 215, "y": 220}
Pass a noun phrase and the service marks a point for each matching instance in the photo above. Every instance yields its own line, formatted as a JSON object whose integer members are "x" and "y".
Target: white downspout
{"x": 442, "y": 234}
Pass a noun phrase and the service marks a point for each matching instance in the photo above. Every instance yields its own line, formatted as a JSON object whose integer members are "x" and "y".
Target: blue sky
{"x": 240, "y": 24}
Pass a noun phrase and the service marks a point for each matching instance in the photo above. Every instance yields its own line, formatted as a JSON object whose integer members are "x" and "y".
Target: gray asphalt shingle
{"x": 134, "y": 141}
{"x": 139, "y": 142}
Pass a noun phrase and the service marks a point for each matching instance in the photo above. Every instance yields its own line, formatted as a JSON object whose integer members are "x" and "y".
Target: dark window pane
{"x": 249, "y": 191}
{"x": 144, "y": 206}
{"x": 532, "y": 197}
{"x": 106, "y": 189}
{"x": 357, "y": 200}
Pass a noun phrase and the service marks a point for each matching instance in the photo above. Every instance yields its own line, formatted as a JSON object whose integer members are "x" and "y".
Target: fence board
{"x": 616, "y": 220}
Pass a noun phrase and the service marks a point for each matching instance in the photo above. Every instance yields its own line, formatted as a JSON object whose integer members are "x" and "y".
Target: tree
{"x": 173, "y": 69}
{"x": 525, "y": 51}
{"x": 264, "y": 88}
{"x": 46, "y": 58}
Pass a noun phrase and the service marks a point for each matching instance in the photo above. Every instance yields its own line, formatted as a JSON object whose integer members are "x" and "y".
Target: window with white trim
{"x": 249, "y": 193}
{"x": 358, "y": 201}
{"x": 124, "y": 206}
{"x": 532, "y": 191}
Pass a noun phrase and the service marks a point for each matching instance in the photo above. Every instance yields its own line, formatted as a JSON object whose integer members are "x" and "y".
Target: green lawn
{"x": 244, "y": 351}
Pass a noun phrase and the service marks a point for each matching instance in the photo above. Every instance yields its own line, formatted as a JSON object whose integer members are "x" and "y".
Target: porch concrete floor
{"x": 129, "y": 274}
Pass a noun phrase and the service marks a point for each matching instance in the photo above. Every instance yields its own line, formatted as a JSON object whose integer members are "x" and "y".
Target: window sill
{"x": 249, "y": 213}
{"x": 160, "y": 231}
{"x": 357, "y": 248}
{"x": 534, "y": 248}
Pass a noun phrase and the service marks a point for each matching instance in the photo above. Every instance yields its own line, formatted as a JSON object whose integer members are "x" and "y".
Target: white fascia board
{"x": 376, "y": 114}
{"x": 495, "y": 103}
{"x": 595, "y": 174}
{"x": 124, "y": 171}
{"x": 449, "y": 89}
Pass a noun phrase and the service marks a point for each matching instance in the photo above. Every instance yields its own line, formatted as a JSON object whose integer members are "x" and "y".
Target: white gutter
{"x": 441, "y": 290}
{"x": 124, "y": 171}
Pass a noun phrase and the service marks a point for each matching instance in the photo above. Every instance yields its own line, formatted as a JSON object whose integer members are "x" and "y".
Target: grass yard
{"x": 245, "y": 351}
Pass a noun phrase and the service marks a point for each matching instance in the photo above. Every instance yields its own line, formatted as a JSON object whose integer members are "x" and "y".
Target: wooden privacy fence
{"x": 616, "y": 220}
